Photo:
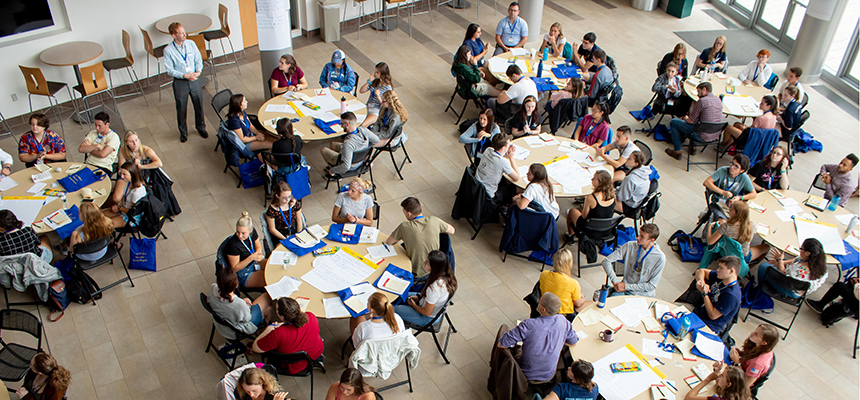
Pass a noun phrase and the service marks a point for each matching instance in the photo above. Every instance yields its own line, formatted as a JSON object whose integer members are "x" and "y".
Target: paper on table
{"x": 520, "y": 153}
{"x": 322, "y": 92}
{"x": 590, "y": 317}
{"x": 610, "y": 322}
{"x": 581, "y": 334}
{"x": 652, "y": 347}
{"x": 651, "y": 324}
{"x": 794, "y": 209}
{"x": 26, "y": 209}
{"x": 337, "y": 271}
{"x": 334, "y": 308}
{"x": 594, "y": 162}
{"x": 519, "y": 52}
{"x": 354, "y": 105}
{"x": 827, "y": 234}
{"x": 807, "y": 216}
{"x": 577, "y": 155}
{"x": 680, "y": 309}
{"x": 853, "y": 240}
{"x": 498, "y": 64}
{"x": 279, "y": 257}
{"x": 711, "y": 348}
{"x": 74, "y": 168}
{"x": 626, "y": 315}
{"x": 637, "y": 303}
{"x": 390, "y": 283}
{"x": 659, "y": 310}
{"x": 762, "y": 230}
{"x": 522, "y": 170}
{"x": 784, "y": 216}
{"x": 303, "y": 302}
{"x": 844, "y": 219}
{"x": 368, "y": 235}
{"x": 283, "y": 288}
{"x": 381, "y": 251}
{"x": 355, "y": 304}
{"x": 326, "y": 102}
{"x": 685, "y": 346}
{"x": 37, "y": 187}
{"x": 786, "y": 201}
{"x": 534, "y": 141}
{"x": 550, "y": 140}
{"x": 7, "y": 183}
{"x": 622, "y": 386}
{"x": 280, "y": 108}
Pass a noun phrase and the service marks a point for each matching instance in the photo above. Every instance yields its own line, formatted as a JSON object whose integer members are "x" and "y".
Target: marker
{"x": 652, "y": 304}
{"x": 631, "y": 330}
{"x": 670, "y": 385}
{"x": 380, "y": 263}
{"x": 617, "y": 329}
{"x": 659, "y": 361}
{"x": 386, "y": 247}
{"x": 813, "y": 213}
{"x": 386, "y": 281}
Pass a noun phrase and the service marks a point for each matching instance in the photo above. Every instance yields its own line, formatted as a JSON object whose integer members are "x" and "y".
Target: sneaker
{"x": 241, "y": 360}
{"x": 567, "y": 238}
{"x": 815, "y": 305}
{"x": 674, "y": 154}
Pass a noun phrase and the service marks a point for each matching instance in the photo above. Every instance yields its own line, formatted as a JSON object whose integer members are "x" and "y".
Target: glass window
{"x": 854, "y": 72}
{"x": 774, "y": 12}
{"x": 795, "y": 22}
{"x": 842, "y": 38}
{"x": 745, "y": 6}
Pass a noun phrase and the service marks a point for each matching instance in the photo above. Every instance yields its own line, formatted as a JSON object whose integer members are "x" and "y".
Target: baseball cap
{"x": 338, "y": 56}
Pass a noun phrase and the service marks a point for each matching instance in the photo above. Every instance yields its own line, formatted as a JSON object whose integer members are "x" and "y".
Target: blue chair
{"x": 772, "y": 81}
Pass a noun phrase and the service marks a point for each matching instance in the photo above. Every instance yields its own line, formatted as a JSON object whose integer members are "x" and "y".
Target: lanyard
{"x": 185, "y": 49}
{"x": 353, "y": 132}
{"x": 514, "y": 25}
{"x": 385, "y": 118}
{"x": 755, "y": 74}
{"x": 376, "y": 318}
{"x": 125, "y": 195}
{"x": 642, "y": 261}
{"x": 336, "y": 75}
{"x": 245, "y": 120}
{"x": 418, "y": 217}
{"x": 289, "y": 211}
{"x": 40, "y": 144}
{"x": 497, "y": 153}
{"x": 250, "y": 249}
{"x": 591, "y": 128}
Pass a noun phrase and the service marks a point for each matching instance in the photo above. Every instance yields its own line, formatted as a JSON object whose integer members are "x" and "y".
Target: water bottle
{"x": 601, "y": 301}
{"x": 852, "y": 223}
{"x": 545, "y": 53}
{"x": 65, "y": 201}
{"x": 540, "y": 68}
{"x": 342, "y": 104}
{"x": 833, "y": 203}
{"x": 685, "y": 327}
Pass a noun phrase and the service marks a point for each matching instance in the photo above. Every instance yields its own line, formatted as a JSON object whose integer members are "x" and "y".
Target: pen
{"x": 813, "y": 213}
{"x": 631, "y": 330}
{"x": 379, "y": 263}
{"x": 652, "y": 304}
{"x": 671, "y": 385}
{"x": 386, "y": 247}
{"x": 617, "y": 329}
{"x": 659, "y": 361}
{"x": 312, "y": 131}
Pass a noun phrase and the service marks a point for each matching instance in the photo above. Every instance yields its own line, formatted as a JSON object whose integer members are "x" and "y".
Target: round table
{"x": 274, "y": 273}
{"x": 783, "y": 234}
{"x": 192, "y": 23}
{"x": 748, "y": 95}
{"x": 549, "y": 153}
{"x": 593, "y": 348}
{"x": 530, "y": 73}
{"x": 305, "y": 128}
{"x": 71, "y": 53}
{"x": 24, "y": 183}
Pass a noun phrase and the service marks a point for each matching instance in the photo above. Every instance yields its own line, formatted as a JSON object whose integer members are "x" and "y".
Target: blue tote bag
{"x": 141, "y": 254}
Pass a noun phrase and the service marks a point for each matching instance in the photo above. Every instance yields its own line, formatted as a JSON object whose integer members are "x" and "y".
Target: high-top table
{"x": 305, "y": 127}
{"x": 192, "y": 23}
{"x": 71, "y": 54}
{"x": 547, "y": 154}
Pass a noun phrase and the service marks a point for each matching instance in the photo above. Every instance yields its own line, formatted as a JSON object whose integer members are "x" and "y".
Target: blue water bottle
{"x": 685, "y": 327}
{"x": 833, "y": 203}
{"x": 545, "y": 53}
{"x": 540, "y": 68}
{"x": 601, "y": 301}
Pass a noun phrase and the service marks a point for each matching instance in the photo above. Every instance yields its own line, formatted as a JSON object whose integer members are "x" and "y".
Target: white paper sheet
{"x": 534, "y": 142}
{"x": 327, "y": 102}
{"x": 279, "y": 257}
{"x": 25, "y": 210}
{"x": 519, "y": 52}
{"x": 581, "y": 334}
{"x": 37, "y": 187}
{"x": 569, "y": 174}
{"x": 628, "y": 315}
{"x": 709, "y": 347}
{"x": 589, "y": 317}
{"x": 784, "y": 216}
{"x": 637, "y": 303}
{"x": 520, "y": 153}
{"x": 623, "y": 386}
{"x": 844, "y": 219}
{"x": 786, "y": 201}
{"x": 360, "y": 295}
{"x": 336, "y": 272}
{"x": 382, "y": 251}
{"x": 7, "y": 183}
{"x": 594, "y": 162}
{"x": 741, "y": 105}
{"x": 827, "y": 234}
{"x": 368, "y": 235}
{"x": 283, "y": 288}
{"x": 354, "y": 105}
{"x": 334, "y": 308}
{"x": 659, "y": 310}
{"x": 853, "y": 240}
{"x": 651, "y": 347}
{"x": 280, "y": 108}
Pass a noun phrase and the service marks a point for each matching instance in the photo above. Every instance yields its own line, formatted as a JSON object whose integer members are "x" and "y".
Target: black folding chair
{"x": 219, "y": 101}
{"x": 817, "y": 183}
{"x": 280, "y": 360}
{"x": 601, "y": 230}
{"x": 775, "y": 278}
{"x": 706, "y": 127}
{"x": 461, "y": 84}
{"x": 109, "y": 242}
{"x": 395, "y": 143}
{"x": 234, "y": 347}
{"x": 15, "y": 358}
{"x": 646, "y": 151}
{"x": 366, "y": 167}
{"x": 435, "y": 326}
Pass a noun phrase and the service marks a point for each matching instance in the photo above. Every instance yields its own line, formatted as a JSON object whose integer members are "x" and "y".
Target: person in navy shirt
{"x": 722, "y": 297}
{"x": 789, "y": 119}
{"x": 584, "y": 57}
{"x": 511, "y": 32}
{"x": 581, "y": 387}
{"x": 479, "y": 49}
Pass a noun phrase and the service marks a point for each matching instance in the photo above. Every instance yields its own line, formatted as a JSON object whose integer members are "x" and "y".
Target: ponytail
{"x": 380, "y": 305}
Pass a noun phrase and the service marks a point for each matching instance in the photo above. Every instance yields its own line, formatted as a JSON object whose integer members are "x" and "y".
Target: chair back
{"x": 779, "y": 279}
{"x": 204, "y": 300}
{"x": 280, "y": 160}
{"x": 22, "y": 321}
{"x": 92, "y": 246}
{"x": 147, "y": 42}
{"x": 710, "y": 127}
{"x": 221, "y": 255}
{"x": 446, "y": 247}
{"x": 817, "y": 183}
{"x": 126, "y": 44}
{"x": 201, "y": 45}
{"x": 772, "y": 81}
{"x": 93, "y": 79}
{"x": 36, "y": 82}
{"x": 376, "y": 213}
{"x": 222, "y": 17}
{"x": 604, "y": 229}
{"x": 463, "y": 83}
{"x": 509, "y": 125}
{"x": 268, "y": 240}
{"x": 355, "y": 88}
{"x": 646, "y": 151}
{"x": 804, "y": 101}
{"x": 281, "y": 359}
{"x": 221, "y": 100}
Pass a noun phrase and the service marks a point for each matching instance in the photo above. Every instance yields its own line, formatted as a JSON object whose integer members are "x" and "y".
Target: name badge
{"x": 671, "y": 102}
{"x": 187, "y": 68}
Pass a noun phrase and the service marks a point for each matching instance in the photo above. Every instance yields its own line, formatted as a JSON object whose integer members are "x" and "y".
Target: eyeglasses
{"x": 736, "y": 166}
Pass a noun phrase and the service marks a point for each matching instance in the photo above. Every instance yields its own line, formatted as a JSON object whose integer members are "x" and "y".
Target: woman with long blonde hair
{"x": 391, "y": 117}
{"x": 559, "y": 282}
{"x": 737, "y": 227}
{"x": 379, "y": 323}
{"x": 135, "y": 151}
{"x": 95, "y": 226}
{"x": 46, "y": 379}
{"x": 553, "y": 40}
{"x": 256, "y": 384}
{"x": 714, "y": 55}
{"x": 601, "y": 203}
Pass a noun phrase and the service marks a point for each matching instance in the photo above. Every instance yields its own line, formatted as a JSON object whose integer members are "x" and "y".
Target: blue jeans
{"x": 680, "y": 129}
{"x": 256, "y": 315}
{"x": 411, "y": 316}
{"x": 244, "y": 274}
{"x": 624, "y": 293}
{"x": 760, "y": 278}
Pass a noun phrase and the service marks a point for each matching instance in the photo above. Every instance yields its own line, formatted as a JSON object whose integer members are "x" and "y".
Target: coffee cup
{"x": 606, "y": 335}
{"x": 87, "y": 193}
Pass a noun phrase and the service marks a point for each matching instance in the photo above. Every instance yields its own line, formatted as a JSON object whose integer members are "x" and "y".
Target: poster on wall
{"x": 23, "y": 16}
{"x": 273, "y": 24}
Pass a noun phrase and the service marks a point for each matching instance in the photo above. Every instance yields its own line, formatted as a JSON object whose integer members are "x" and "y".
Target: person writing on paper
{"x": 46, "y": 380}
{"x": 538, "y": 194}
{"x": 772, "y": 171}
{"x": 477, "y": 137}
{"x": 734, "y": 133}
{"x": 422, "y": 307}
{"x": 291, "y": 330}
{"x": 39, "y": 144}
{"x": 730, "y": 385}
{"x": 542, "y": 339}
{"x": 643, "y": 265}
{"x": 625, "y": 148}
{"x": 527, "y": 120}
{"x": 142, "y": 155}
{"x": 287, "y": 77}
{"x": 720, "y": 292}
{"x": 237, "y": 121}
{"x": 515, "y": 95}
{"x": 350, "y": 387}
{"x": 757, "y": 72}
{"x": 838, "y": 179}
{"x": 601, "y": 204}
{"x": 714, "y": 56}
{"x": 129, "y": 189}
{"x": 257, "y": 384}
{"x": 420, "y": 234}
{"x": 593, "y": 129}
{"x": 730, "y": 184}
{"x": 95, "y": 226}
{"x": 284, "y": 216}
{"x": 553, "y": 40}
{"x": 635, "y": 186}
{"x": 512, "y": 31}
{"x": 756, "y": 355}
{"x": 737, "y": 227}
{"x": 340, "y": 155}
{"x": 378, "y": 83}
{"x": 379, "y": 322}
{"x": 242, "y": 314}
{"x": 244, "y": 252}
{"x": 580, "y": 387}
{"x": 560, "y": 283}
{"x": 353, "y": 206}
{"x": 392, "y": 117}
{"x": 337, "y": 74}
{"x": 101, "y": 144}
{"x": 288, "y": 143}
{"x": 466, "y": 66}
{"x": 496, "y": 161}
{"x": 810, "y": 266}
{"x": 792, "y": 79}
{"x": 15, "y": 238}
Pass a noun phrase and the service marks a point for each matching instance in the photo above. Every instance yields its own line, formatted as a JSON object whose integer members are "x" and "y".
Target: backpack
{"x": 651, "y": 207}
{"x": 465, "y": 125}
{"x": 614, "y": 99}
{"x": 750, "y": 298}
{"x": 80, "y": 285}
{"x": 690, "y": 248}
{"x": 152, "y": 211}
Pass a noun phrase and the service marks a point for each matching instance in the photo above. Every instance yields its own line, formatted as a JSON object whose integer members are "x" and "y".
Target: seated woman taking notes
{"x": 421, "y": 307}
{"x": 601, "y": 203}
{"x": 539, "y": 191}
{"x": 353, "y": 206}
{"x": 379, "y": 323}
{"x": 284, "y": 215}
{"x": 246, "y": 133}
{"x": 129, "y": 189}
{"x": 15, "y": 238}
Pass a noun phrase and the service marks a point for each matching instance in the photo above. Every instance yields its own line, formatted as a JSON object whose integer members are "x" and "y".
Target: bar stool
{"x": 158, "y": 54}
{"x": 361, "y": 14}
{"x": 205, "y": 55}
{"x": 220, "y": 35}
{"x": 125, "y": 63}
{"x": 93, "y": 83}
{"x": 6, "y": 127}
{"x": 385, "y": 15}
{"x": 39, "y": 86}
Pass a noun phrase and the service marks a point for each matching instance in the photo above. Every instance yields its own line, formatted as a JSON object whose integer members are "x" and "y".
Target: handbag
{"x": 250, "y": 173}
{"x": 299, "y": 182}
{"x": 625, "y": 234}
{"x": 690, "y": 248}
{"x": 80, "y": 180}
{"x": 750, "y": 298}
{"x": 59, "y": 299}
{"x": 141, "y": 254}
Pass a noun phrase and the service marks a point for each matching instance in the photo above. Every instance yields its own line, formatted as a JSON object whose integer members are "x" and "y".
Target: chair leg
{"x": 393, "y": 161}
{"x": 462, "y": 112}
{"x": 408, "y": 374}
{"x": 578, "y": 265}
{"x": 211, "y": 336}
{"x": 446, "y": 108}
{"x": 856, "y": 333}
{"x": 235, "y": 57}
{"x": 312, "y": 384}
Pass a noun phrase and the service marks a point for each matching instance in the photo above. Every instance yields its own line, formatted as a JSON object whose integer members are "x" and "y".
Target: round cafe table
{"x": 192, "y": 23}
{"x": 24, "y": 182}
{"x": 592, "y": 348}
{"x": 547, "y": 154}
{"x": 744, "y": 95}
{"x": 305, "y": 128}
{"x": 274, "y": 273}
{"x": 529, "y": 72}
{"x": 71, "y": 54}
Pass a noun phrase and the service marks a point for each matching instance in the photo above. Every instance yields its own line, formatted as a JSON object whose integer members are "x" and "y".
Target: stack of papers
{"x": 393, "y": 284}
{"x": 520, "y": 153}
{"x": 283, "y": 288}
{"x": 279, "y": 257}
{"x": 711, "y": 348}
{"x": 589, "y": 317}
{"x": 550, "y": 140}
{"x": 57, "y": 219}
{"x": 381, "y": 251}
{"x": 41, "y": 176}
{"x": 334, "y": 308}
{"x": 610, "y": 322}
{"x": 368, "y": 235}
{"x": 534, "y": 141}
{"x": 7, "y": 183}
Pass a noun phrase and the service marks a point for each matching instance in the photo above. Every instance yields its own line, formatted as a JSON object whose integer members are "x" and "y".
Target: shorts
{"x": 256, "y": 315}
{"x": 47, "y": 255}
{"x": 332, "y": 154}
{"x": 627, "y": 209}
{"x": 481, "y": 88}
{"x": 623, "y": 169}
{"x": 244, "y": 274}
{"x": 136, "y": 219}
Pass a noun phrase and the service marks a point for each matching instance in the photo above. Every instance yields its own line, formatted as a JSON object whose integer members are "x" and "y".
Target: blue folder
{"x": 400, "y": 273}
{"x": 566, "y": 72}
{"x": 300, "y": 251}
{"x": 698, "y": 353}
{"x": 345, "y": 294}
{"x": 544, "y": 84}
{"x": 67, "y": 229}
{"x": 334, "y": 234}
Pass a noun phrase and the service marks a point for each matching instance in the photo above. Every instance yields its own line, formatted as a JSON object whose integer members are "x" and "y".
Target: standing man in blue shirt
{"x": 511, "y": 32}
{"x": 183, "y": 62}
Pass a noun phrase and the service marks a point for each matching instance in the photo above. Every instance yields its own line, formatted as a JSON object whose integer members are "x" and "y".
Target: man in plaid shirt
{"x": 709, "y": 108}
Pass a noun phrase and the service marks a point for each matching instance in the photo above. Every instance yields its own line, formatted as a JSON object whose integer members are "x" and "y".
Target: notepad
{"x": 355, "y": 304}
{"x": 391, "y": 283}
{"x": 692, "y": 381}
{"x": 334, "y": 308}
{"x": 303, "y": 303}
{"x": 651, "y": 325}
{"x": 36, "y": 188}
{"x": 611, "y": 322}
{"x": 816, "y": 202}
{"x": 42, "y": 167}
{"x": 306, "y": 237}
{"x": 685, "y": 347}
{"x": 757, "y": 207}
{"x": 589, "y": 317}
{"x": 550, "y": 140}
{"x": 381, "y": 251}
{"x": 348, "y": 230}
{"x": 41, "y": 176}
{"x": 7, "y": 183}
{"x": 762, "y": 229}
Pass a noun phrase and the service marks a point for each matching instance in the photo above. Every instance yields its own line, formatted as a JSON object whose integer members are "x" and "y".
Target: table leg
{"x": 82, "y": 117}
{"x": 383, "y": 24}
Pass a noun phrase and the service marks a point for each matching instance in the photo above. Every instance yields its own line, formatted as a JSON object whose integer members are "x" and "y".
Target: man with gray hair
{"x": 542, "y": 339}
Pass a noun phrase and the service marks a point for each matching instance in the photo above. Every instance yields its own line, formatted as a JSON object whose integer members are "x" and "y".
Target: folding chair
{"x": 435, "y": 326}
{"x": 109, "y": 242}
{"x": 462, "y": 86}
{"x": 601, "y": 230}
{"x": 366, "y": 167}
{"x": 278, "y": 360}
{"x": 817, "y": 183}
{"x": 219, "y": 101}
{"x": 234, "y": 346}
{"x": 15, "y": 358}
{"x": 706, "y": 127}
{"x": 774, "y": 277}
{"x": 395, "y": 143}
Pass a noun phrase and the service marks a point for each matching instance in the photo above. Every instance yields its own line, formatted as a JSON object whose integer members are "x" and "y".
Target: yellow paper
{"x": 396, "y": 285}
{"x": 355, "y": 304}
{"x": 762, "y": 230}
{"x": 651, "y": 324}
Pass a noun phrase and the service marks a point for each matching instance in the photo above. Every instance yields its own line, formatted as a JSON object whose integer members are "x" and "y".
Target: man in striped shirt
{"x": 709, "y": 108}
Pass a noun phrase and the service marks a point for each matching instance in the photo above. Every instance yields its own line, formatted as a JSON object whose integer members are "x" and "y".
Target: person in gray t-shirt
{"x": 497, "y": 160}
{"x": 353, "y": 206}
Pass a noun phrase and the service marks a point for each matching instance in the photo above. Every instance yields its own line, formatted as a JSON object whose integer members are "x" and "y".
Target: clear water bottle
{"x": 833, "y": 203}
{"x": 685, "y": 327}
{"x": 851, "y": 224}
{"x": 342, "y": 104}
{"x": 65, "y": 201}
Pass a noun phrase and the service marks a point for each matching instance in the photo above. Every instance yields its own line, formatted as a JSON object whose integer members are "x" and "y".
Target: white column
{"x": 274, "y": 35}
{"x": 815, "y": 36}
{"x": 532, "y": 12}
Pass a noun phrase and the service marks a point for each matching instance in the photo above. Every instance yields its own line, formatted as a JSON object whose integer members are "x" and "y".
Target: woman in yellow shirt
{"x": 559, "y": 282}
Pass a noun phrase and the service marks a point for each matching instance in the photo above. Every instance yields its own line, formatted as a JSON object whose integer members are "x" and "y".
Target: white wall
{"x": 311, "y": 13}
{"x": 102, "y": 21}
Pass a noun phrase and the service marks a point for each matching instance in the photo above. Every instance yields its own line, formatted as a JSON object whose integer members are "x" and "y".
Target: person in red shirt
{"x": 297, "y": 331}
{"x": 756, "y": 356}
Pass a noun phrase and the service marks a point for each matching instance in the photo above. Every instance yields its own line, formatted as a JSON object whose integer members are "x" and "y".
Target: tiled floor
{"x": 148, "y": 341}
